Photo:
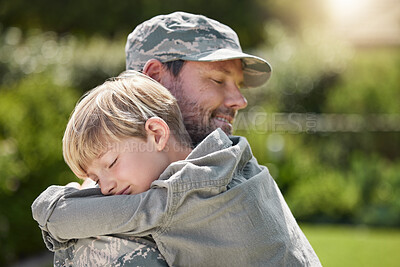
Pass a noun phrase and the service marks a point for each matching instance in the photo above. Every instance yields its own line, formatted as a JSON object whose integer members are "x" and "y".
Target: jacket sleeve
{"x": 66, "y": 213}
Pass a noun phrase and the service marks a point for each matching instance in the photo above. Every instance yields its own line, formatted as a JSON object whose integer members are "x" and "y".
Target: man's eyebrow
{"x": 222, "y": 69}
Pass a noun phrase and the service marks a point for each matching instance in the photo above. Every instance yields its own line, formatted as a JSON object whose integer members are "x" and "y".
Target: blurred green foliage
{"x": 69, "y": 61}
{"x": 32, "y": 117}
{"x": 334, "y": 176}
{"x": 115, "y": 18}
{"x": 42, "y": 76}
{"x": 378, "y": 89}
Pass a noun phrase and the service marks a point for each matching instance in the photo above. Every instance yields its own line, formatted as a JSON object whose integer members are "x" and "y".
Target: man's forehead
{"x": 230, "y": 67}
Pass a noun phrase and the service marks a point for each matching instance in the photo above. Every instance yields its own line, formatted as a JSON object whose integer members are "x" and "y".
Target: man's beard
{"x": 199, "y": 122}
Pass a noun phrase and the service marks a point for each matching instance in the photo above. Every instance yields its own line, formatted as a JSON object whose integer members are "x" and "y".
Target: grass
{"x": 354, "y": 246}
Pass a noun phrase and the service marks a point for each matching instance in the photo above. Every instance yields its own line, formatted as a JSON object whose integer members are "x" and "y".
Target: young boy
{"x": 210, "y": 206}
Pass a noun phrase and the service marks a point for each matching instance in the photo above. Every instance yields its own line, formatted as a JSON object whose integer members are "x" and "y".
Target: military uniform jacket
{"x": 218, "y": 207}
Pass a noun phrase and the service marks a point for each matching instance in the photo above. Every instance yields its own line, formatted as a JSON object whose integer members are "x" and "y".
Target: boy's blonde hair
{"x": 117, "y": 109}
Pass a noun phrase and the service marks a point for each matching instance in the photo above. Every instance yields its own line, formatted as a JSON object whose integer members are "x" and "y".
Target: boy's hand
{"x": 88, "y": 183}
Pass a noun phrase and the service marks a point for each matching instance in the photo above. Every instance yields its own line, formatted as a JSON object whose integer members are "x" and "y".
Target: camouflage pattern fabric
{"x": 110, "y": 251}
{"x": 185, "y": 36}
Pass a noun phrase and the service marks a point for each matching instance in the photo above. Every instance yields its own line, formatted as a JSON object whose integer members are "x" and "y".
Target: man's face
{"x": 208, "y": 95}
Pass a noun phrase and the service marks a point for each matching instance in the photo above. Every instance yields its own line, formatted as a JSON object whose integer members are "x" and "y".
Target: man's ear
{"x": 154, "y": 69}
{"x": 158, "y": 132}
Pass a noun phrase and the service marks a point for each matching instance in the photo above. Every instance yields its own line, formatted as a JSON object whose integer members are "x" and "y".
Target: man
{"x": 201, "y": 62}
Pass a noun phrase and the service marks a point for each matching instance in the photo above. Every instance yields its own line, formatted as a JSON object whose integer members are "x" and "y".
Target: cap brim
{"x": 256, "y": 71}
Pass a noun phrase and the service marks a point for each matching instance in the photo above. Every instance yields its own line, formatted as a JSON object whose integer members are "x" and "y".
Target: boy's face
{"x": 127, "y": 167}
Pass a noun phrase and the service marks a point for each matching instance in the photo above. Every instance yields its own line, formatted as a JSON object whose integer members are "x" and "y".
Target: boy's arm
{"x": 68, "y": 213}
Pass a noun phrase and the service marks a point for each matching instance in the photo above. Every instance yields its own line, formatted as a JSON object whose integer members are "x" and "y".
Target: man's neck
{"x": 177, "y": 151}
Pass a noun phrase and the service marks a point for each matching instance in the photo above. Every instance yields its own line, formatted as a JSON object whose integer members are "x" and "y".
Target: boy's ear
{"x": 158, "y": 132}
{"x": 154, "y": 69}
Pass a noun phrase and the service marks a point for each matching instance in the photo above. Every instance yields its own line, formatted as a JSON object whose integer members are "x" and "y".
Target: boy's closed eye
{"x": 113, "y": 163}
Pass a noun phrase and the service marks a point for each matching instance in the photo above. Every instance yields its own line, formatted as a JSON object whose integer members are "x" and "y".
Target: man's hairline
{"x": 175, "y": 66}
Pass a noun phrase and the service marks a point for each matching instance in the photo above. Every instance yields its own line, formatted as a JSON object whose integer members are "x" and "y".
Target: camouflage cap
{"x": 186, "y": 36}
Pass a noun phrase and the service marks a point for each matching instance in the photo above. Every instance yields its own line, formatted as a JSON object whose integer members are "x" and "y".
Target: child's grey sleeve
{"x": 66, "y": 213}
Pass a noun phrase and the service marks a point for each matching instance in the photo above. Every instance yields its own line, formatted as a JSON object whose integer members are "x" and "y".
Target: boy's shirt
{"x": 217, "y": 207}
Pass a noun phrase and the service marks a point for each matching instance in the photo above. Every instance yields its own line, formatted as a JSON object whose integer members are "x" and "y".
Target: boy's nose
{"x": 107, "y": 186}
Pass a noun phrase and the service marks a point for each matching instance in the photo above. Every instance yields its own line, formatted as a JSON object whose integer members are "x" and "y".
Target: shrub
{"x": 42, "y": 76}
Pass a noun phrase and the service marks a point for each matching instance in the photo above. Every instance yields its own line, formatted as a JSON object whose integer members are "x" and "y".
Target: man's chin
{"x": 225, "y": 127}
{"x": 198, "y": 133}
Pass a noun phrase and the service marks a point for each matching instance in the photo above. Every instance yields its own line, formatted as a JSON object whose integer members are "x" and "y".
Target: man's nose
{"x": 234, "y": 98}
